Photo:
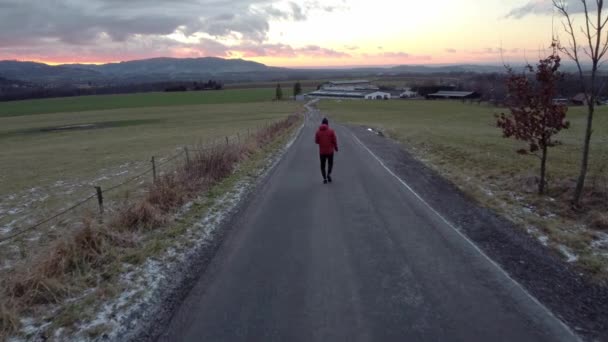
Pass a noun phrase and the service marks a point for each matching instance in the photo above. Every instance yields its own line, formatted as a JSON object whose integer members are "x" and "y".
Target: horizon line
{"x": 346, "y": 66}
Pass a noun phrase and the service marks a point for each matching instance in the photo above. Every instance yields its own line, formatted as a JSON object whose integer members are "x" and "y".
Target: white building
{"x": 378, "y": 95}
{"x": 407, "y": 93}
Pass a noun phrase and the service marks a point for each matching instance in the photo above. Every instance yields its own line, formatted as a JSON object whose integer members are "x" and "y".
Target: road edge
{"x": 565, "y": 293}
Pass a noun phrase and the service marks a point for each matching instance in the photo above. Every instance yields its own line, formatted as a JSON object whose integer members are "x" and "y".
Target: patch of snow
{"x": 487, "y": 191}
{"x": 601, "y": 241}
{"x": 568, "y": 253}
{"x": 544, "y": 239}
{"x": 7, "y": 228}
{"x": 6, "y": 265}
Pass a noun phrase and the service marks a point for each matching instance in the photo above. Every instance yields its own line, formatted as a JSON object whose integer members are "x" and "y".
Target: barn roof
{"x": 348, "y": 82}
{"x": 334, "y": 93}
{"x": 452, "y": 93}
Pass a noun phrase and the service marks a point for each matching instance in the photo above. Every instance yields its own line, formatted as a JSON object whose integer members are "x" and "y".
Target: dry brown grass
{"x": 86, "y": 256}
{"x": 9, "y": 322}
{"x": 599, "y": 220}
{"x": 47, "y": 277}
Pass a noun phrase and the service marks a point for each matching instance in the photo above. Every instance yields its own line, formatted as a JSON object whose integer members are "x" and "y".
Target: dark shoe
{"x": 329, "y": 179}
{"x": 325, "y": 181}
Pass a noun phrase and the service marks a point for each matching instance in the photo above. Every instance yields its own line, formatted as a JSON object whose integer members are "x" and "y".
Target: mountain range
{"x": 187, "y": 69}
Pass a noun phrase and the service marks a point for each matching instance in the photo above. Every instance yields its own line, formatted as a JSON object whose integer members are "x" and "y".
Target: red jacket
{"x": 326, "y": 139}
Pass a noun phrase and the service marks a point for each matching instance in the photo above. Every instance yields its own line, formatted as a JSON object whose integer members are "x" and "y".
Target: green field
{"x": 465, "y": 137}
{"x": 102, "y": 102}
{"x": 462, "y": 142}
{"x": 45, "y": 166}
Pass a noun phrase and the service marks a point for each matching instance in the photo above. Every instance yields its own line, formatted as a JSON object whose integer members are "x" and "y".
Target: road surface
{"x": 362, "y": 259}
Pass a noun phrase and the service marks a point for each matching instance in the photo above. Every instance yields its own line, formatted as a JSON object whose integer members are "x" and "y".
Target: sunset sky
{"x": 280, "y": 33}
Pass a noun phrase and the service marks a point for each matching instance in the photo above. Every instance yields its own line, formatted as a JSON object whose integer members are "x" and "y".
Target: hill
{"x": 190, "y": 69}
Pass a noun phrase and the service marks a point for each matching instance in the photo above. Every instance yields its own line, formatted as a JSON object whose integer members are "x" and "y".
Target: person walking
{"x": 328, "y": 144}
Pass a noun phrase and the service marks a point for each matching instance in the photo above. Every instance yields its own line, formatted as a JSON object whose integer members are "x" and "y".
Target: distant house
{"x": 408, "y": 93}
{"x": 454, "y": 95}
{"x": 378, "y": 95}
{"x": 579, "y": 99}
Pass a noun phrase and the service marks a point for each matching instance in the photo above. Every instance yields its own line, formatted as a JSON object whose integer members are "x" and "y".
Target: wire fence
{"x": 99, "y": 193}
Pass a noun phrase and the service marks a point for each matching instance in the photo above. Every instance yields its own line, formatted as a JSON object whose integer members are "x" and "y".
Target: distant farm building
{"x": 349, "y": 94}
{"x": 378, "y": 95}
{"x": 338, "y": 94}
{"x": 408, "y": 93}
{"x": 454, "y": 95}
{"x": 560, "y": 101}
{"x": 579, "y": 100}
{"x": 349, "y": 85}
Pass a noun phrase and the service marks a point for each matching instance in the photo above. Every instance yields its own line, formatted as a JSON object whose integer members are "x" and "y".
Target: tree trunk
{"x": 580, "y": 183}
{"x": 543, "y": 171}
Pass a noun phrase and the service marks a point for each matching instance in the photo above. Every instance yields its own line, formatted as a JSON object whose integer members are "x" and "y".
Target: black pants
{"x": 327, "y": 159}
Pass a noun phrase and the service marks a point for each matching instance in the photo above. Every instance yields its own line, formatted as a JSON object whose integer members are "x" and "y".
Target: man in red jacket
{"x": 328, "y": 143}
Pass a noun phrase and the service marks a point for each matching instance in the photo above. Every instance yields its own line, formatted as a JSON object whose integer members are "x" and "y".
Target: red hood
{"x": 324, "y": 127}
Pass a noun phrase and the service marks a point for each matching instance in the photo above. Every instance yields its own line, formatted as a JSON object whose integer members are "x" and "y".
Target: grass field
{"x": 44, "y": 167}
{"x": 103, "y": 102}
{"x": 465, "y": 135}
{"x": 462, "y": 142}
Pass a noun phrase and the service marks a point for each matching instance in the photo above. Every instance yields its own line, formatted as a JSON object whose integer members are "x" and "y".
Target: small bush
{"x": 599, "y": 220}
{"x": 142, "y": 215}
{"x": 48, "y": 281}
{"x": 9, "y": 322}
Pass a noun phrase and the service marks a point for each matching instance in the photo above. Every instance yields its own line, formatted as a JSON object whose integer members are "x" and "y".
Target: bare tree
{"x": 594, "y": 46}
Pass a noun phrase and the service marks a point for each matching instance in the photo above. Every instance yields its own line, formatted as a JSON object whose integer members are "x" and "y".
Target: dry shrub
{"x": 599, "y": 220}
{"x": 9, "y": 323}
{"x": 51, "y": 277}
{"x": 142, "y": 215}
{"x": 34, "y": 288}
{"x": 217, "y": 163}
{"x": 167, "y": 193}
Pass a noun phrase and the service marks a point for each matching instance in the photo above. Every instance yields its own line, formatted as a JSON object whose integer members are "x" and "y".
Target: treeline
{"x": 11, "y": 90}
{"x": 493, "y": 86}
{"x": 197, "y": 86}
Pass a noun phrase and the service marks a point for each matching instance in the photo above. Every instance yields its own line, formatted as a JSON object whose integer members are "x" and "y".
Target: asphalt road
{"x": 361, "y": 259}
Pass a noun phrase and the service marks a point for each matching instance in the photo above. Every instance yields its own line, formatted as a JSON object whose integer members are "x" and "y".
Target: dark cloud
{"x": 100, "y": 30}
{"x": 541, "y": 7}
{"x": 297, "y": 12}
{"x": 81, "y": 22}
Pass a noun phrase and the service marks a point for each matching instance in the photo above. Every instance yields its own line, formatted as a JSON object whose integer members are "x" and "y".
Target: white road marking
{"x": 517, "y": 284}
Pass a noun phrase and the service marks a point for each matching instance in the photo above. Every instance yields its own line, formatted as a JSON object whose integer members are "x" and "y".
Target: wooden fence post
{"x": 100, "y": 202}
{"x": 227, "y": 141}
{"x": 153, "y": 169}
{"x": 187, "y": 155}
